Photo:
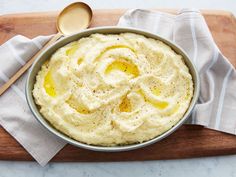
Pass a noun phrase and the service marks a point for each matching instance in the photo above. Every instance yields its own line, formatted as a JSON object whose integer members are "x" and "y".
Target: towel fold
{"x": 217, "y": 102}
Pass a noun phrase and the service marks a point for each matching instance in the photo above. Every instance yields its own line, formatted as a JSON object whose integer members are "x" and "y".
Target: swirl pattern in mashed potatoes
{"x": 114, "y": 89}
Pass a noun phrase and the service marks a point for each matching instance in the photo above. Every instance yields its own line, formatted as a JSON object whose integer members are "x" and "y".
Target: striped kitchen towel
{"x": 188, "y": 29}
{"x": 216, "y": 108}
{"x": 15, "y": 115}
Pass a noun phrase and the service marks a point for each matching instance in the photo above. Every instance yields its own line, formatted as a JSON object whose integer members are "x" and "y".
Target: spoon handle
{"x": 28, "y": 64}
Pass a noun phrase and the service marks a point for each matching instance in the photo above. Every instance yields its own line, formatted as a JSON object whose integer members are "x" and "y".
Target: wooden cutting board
{"x": 189, "y": 141}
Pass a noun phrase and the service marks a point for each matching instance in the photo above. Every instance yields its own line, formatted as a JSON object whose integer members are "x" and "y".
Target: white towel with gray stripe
{"x": 188, "y": 29}
{"x": 15, "y": 115}
{"x": 216, "y": 107}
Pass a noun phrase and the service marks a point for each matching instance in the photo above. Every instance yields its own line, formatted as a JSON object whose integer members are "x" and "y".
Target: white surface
{"x": 10, "y": 6}
{"x": 204, "y": 167}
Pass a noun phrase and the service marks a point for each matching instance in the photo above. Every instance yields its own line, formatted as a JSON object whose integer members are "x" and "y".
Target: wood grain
{"x": 189, "y": 141}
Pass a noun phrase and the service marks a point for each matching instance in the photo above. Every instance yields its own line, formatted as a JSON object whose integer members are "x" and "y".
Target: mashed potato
{"x": 114, "y": 89}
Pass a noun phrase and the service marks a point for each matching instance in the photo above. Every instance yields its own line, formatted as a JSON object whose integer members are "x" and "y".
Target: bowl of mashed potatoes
{"x": 112, "y": 88}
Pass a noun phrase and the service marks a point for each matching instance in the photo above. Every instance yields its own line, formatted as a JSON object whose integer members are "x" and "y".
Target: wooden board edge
{"x": 194, "y": 150}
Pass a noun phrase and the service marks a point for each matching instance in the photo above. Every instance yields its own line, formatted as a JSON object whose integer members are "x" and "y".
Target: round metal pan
{"x": 105, "y": 30}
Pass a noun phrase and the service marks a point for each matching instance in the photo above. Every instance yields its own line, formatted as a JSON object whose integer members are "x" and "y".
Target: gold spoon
{"x": 72, "y": 19}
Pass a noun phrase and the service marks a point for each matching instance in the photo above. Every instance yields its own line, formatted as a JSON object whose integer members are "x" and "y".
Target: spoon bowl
{"x": 74, "y": 18}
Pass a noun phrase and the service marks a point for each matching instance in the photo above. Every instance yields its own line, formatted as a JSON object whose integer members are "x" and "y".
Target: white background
{"x": 11, "y": 6}
{"x": 201, "y": 167}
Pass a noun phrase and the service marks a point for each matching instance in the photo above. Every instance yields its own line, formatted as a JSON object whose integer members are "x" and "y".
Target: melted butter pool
{"x": 124, "y": 66}
{"x": 49, "y": 85}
